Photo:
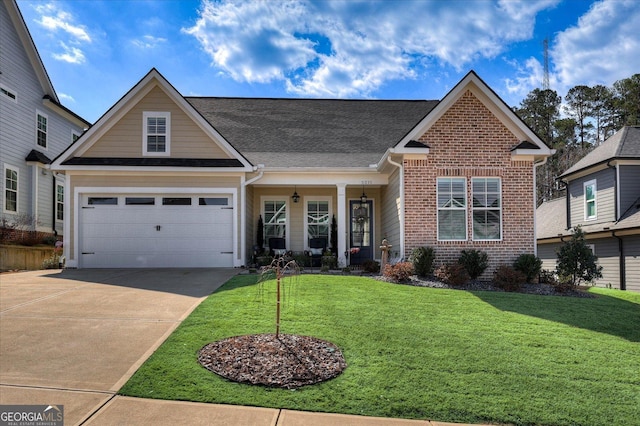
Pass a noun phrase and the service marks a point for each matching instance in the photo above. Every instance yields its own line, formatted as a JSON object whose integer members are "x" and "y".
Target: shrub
{"x": 371, "y": 266}
{"x": 530, "y": 265}
{"x": 474, "y": 261}
{"x": 508, "y": 278}
{"x": 576, "y": 262}
{"x": 422, "y": 259}
{"x": 547, "y": 277}
{"x": 329, "y": 262}
{"x": 399, "y": 272}
{"x": 453, "y": 274}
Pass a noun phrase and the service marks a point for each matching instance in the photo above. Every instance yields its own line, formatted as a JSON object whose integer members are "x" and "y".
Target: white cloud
{"x": 148, "y": 42}
{"x": 70, "y": 34}
{"x": 55, "y": 19}
{"x": 73, "y": 55}
{"x": 64, "y": 96}
{"x": 603, "y": 47}
{"x": 347, "y": 48}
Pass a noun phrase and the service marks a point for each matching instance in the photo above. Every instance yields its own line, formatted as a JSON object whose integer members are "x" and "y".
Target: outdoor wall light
{"x": 295, "y": 197}
{"x": 363, "y": 197}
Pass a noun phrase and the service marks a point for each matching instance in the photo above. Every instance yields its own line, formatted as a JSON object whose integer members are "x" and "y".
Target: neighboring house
{"x": 34, "y": 129}
{"x": 166, "y": 180}
{"x": 604, "y": 200}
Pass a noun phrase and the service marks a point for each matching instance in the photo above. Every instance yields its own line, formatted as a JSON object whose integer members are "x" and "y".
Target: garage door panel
{"x": 127, "y": 236}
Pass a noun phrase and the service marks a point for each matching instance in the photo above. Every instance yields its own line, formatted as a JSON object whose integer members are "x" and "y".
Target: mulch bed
{"x": 288, "y": 361}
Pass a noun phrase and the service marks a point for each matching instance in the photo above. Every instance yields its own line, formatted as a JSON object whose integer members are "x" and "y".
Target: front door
{"x": 361, "y": 231}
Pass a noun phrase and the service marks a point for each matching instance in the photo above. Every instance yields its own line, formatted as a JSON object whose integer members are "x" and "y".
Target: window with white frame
{"x": 452, "y": 208}
{"x": 156, "y": 133}
{"x": 590, "y": 208}
{"x": 486, "y": 208}
{"x": 10, "y": 189}
{"x": 9, "y": 94}
{"x": 274, "y": 212}
{"x": 41, "y": 129}
{"x": 59, "y": 202}
{"x": 317, "y": 219}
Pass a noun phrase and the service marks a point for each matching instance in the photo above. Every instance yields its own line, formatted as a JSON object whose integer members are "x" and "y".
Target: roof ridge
{"x": 311, "y": 99}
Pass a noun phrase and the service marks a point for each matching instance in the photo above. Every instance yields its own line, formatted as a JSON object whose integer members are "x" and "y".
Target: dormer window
{"x": 156, "y": 133}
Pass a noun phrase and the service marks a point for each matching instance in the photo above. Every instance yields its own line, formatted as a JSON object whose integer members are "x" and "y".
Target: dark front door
{"x": 361, "y": 231}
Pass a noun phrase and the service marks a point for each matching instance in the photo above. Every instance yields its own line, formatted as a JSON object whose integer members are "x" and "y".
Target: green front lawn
{"x": 423, "y": 353}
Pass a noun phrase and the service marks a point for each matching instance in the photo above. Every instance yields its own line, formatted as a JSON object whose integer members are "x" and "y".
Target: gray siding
{"x": 18, "y": 126}
{"x": 547, "y": 253}
{"x": 605, "y": 198}
{"x": 607, "y": 251}
{"x": 632, "y": 262}
{"x": 629, "y": 186}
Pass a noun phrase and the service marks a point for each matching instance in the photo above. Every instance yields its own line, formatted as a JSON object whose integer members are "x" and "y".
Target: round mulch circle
{"x": 288, "y": 361}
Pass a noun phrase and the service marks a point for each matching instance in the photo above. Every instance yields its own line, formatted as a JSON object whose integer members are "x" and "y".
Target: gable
{"x": 124, "y": 138}
{"x": 117, "y": 137}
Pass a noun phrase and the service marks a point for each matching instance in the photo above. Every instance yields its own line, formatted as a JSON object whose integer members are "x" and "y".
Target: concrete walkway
{"x": 74, "y": 337}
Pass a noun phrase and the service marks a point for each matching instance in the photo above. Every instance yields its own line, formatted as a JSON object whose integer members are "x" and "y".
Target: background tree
{"x": 540, "y": 109}
{"x": 578, "y": 106}
{"x": 603, "y": 112}
{"x": 627, "y": 100}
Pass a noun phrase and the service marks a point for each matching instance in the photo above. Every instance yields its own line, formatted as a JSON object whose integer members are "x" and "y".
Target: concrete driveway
{"x": 74, "y": 337}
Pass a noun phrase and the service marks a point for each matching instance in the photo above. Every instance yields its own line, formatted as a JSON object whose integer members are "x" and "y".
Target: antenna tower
{"x": 545, "y": 81}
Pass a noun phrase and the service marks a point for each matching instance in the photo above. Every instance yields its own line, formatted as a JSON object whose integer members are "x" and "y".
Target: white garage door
{"x": 156, "y": 231}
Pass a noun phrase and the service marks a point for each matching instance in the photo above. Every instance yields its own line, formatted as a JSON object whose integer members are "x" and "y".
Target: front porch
{"x": 350, "y": 218}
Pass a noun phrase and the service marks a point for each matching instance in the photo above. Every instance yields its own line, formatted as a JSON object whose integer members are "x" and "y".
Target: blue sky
{"x": 95, "y": 51}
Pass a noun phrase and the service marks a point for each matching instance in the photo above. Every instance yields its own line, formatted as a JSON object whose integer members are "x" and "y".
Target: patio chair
{"x": 277, "y": 246}
{"x": 317, "y": 247}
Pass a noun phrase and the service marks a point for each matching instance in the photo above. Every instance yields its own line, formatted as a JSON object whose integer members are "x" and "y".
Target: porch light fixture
{"x": 295, "y": 197}
{"x": 363, "y": 197}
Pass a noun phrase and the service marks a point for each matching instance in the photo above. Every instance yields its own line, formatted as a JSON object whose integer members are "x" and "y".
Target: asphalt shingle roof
{"x": 312, "y": 132}
{"x": 624, "y": 144}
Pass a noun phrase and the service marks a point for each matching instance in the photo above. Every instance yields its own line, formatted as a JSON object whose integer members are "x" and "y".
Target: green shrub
{"x": 329, "y": 261}
{"x": 302, "y": 260}
{"x": 474, "y": 261}
{"x": 422, "y": 259}
{"x": 508, "y": 278}
{"x": 370, "y": 266}
{"x": 400, "y": 272}
{"x": 453, "y": 274}
{"x": 576, "y": 262}
{"x": 530, "y": 265}
{"x": 547, "y": 277}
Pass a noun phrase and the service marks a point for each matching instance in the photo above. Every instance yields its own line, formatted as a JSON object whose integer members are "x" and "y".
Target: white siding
{"x": 18, "y": 122}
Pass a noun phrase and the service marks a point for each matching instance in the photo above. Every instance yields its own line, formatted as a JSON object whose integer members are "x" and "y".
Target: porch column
{"x": 342, "y": 223}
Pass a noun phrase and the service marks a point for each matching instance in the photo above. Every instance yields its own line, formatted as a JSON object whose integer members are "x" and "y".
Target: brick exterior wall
{"x": 469, "y": 141}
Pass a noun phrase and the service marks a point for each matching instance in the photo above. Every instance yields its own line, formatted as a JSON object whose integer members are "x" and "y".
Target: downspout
{"x": 535, "y": 203}
{"x": 623, "y": 265}
{"x": 567, "y": 207}
{"x": 402, "y": 227}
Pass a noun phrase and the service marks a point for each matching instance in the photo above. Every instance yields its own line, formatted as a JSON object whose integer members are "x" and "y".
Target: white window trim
{"x": 60, "y": 183}
{"x": 595, "y": 199}
{"x": 6, "y": 91}
{"x": 483, "y": 208}
{"x": 466, "y": 209}
{"x": 167, "y": 116}
{"x": 40, "y": 113}
{"x": 287, "y": 231}
{"x": 306, "y": 200}
{"x": 4, "y": 189}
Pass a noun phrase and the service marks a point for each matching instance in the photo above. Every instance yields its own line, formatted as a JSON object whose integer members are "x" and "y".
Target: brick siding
{"x": 469, "y": 141}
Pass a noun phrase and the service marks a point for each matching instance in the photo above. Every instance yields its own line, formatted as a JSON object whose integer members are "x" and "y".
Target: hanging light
{"x": 363, "y": 197}
{"x": 295, "y": 197}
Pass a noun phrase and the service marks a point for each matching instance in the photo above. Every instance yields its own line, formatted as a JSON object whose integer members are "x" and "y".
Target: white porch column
{"x": 342, "y": 223}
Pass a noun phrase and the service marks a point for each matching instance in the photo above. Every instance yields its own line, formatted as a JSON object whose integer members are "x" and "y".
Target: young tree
{"x": 576, "y": 262}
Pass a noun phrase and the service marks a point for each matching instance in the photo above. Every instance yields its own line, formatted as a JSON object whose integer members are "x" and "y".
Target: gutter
{"x": 401, "y": 189}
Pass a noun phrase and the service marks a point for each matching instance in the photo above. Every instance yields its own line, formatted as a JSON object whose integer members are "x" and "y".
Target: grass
{"x": 422, "y": 353}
